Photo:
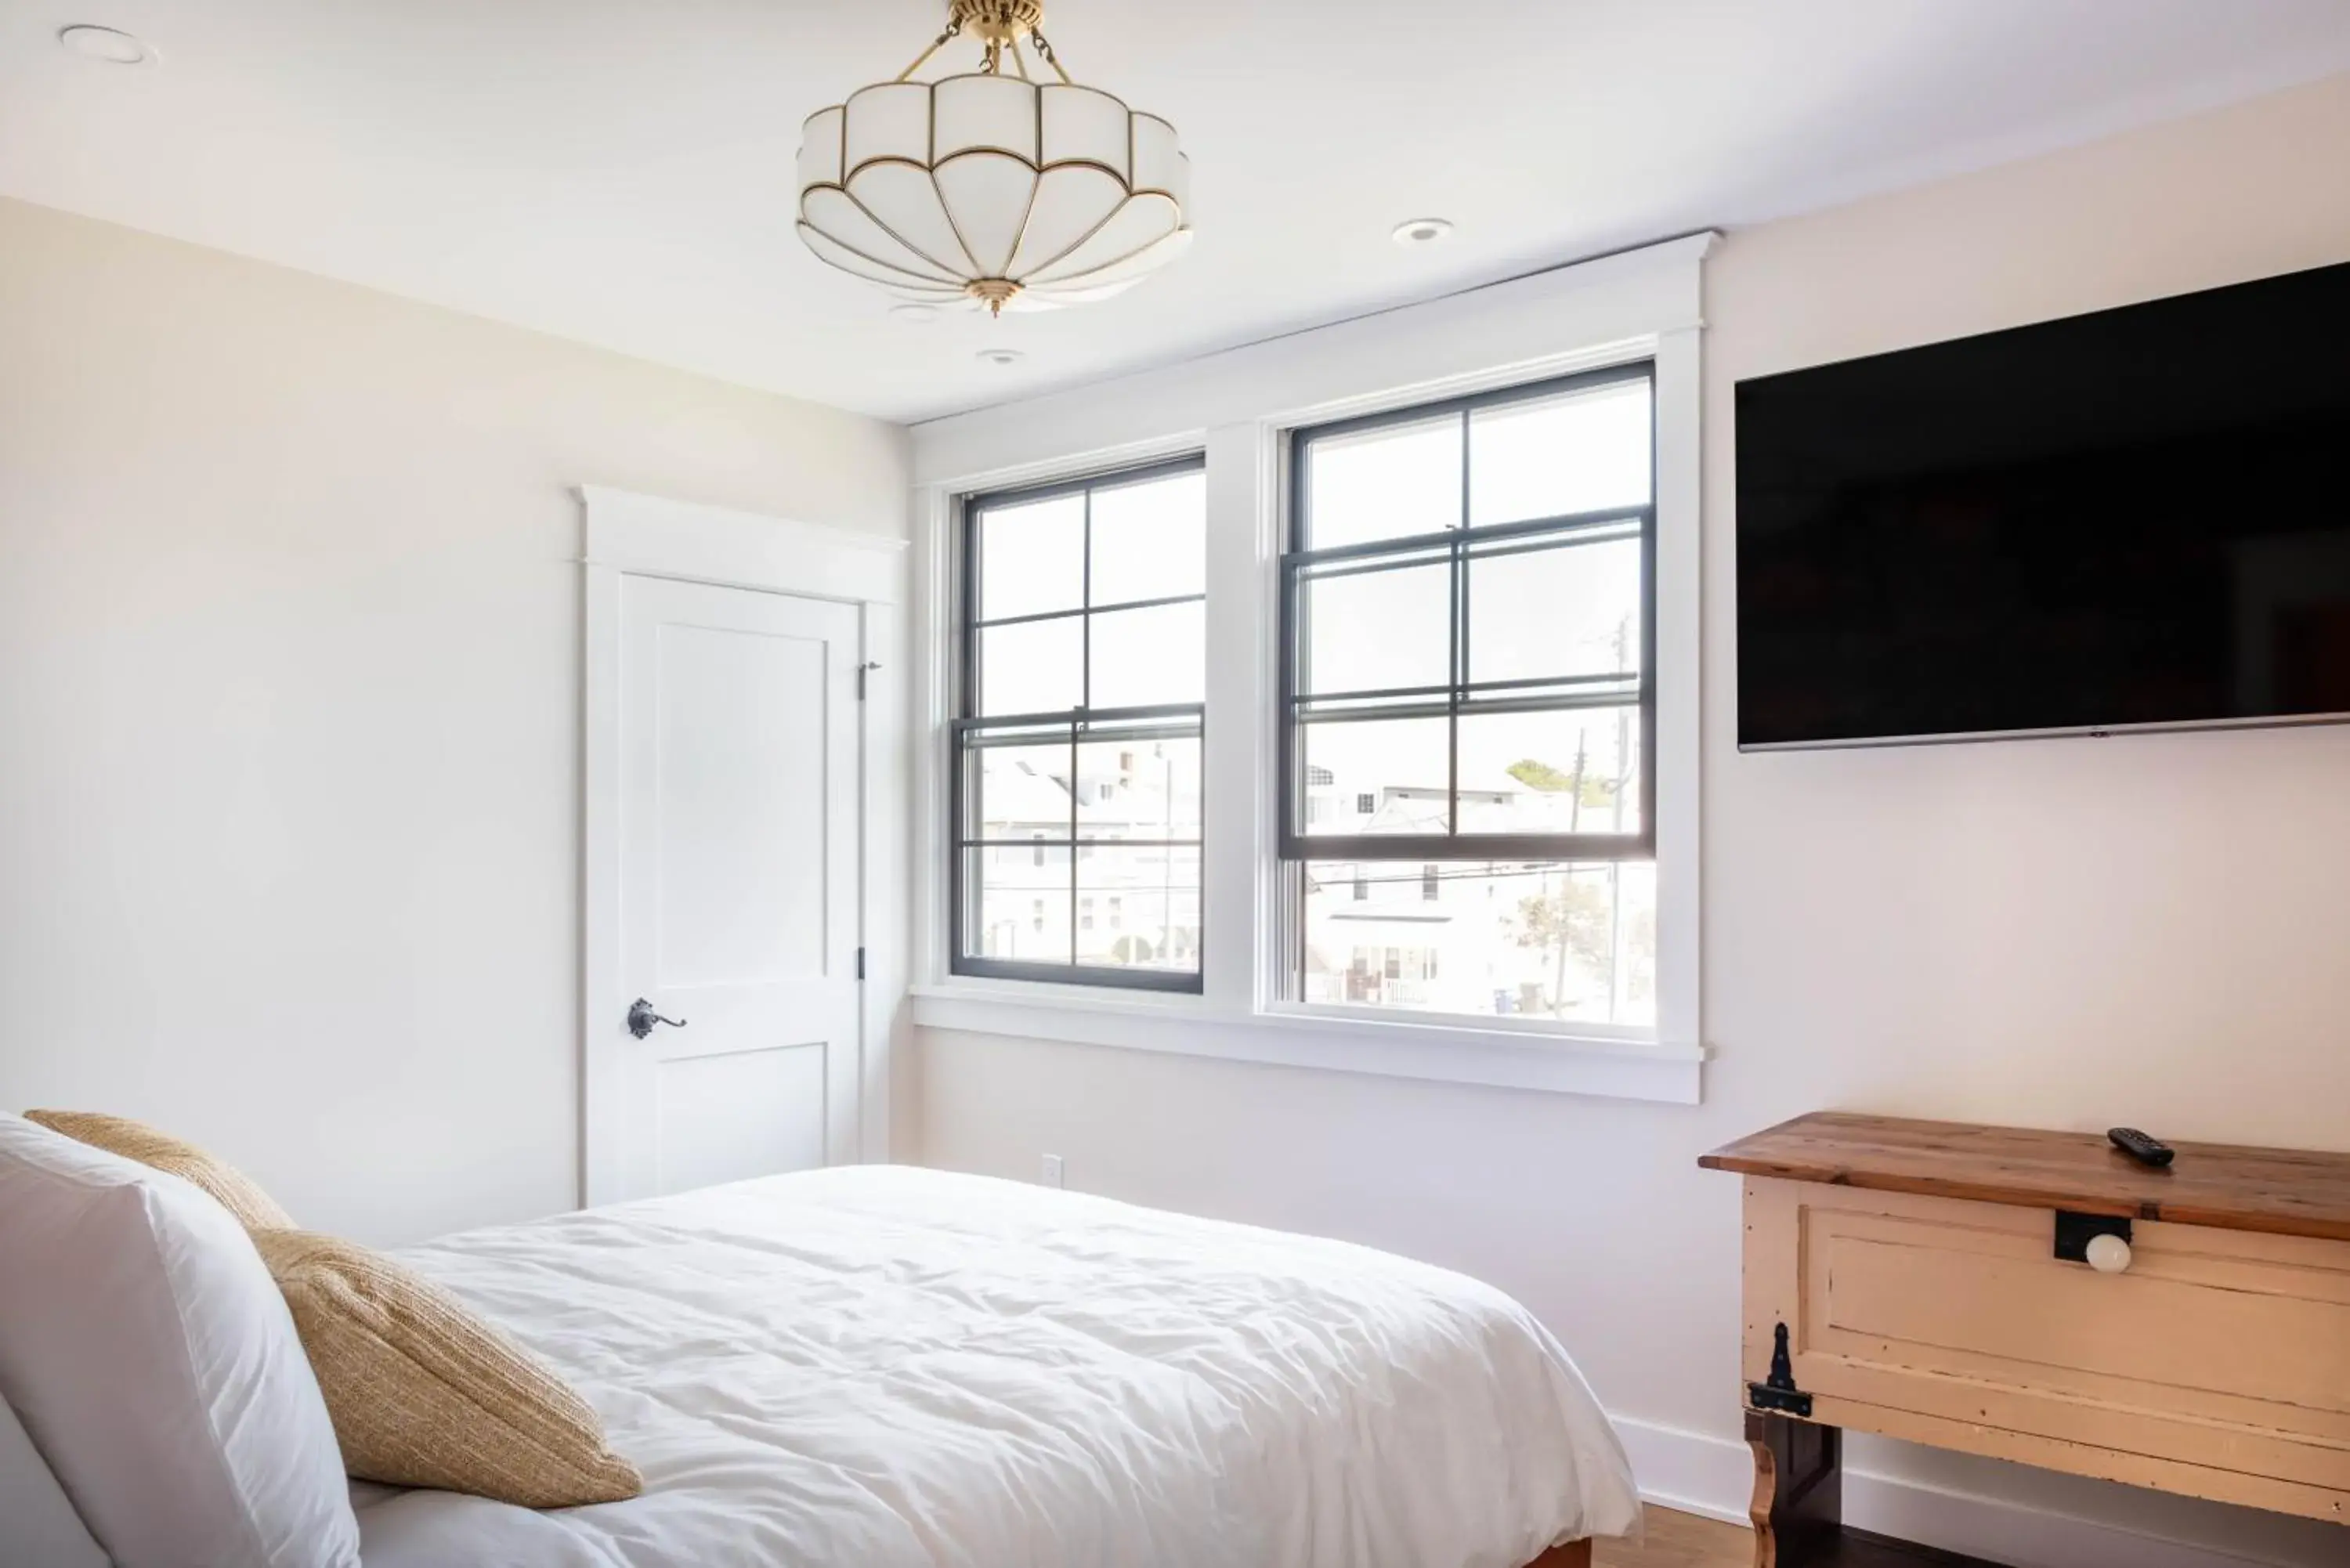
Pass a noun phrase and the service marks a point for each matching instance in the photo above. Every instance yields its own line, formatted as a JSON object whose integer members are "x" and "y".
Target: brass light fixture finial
{"x": 999, "y": 22}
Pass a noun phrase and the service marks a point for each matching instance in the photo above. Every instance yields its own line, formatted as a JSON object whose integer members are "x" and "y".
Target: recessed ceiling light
{"x": 915, "y": 312}
{"x": 1000, "y": 355}
{"x": 1422, "y": 230}
{"x": 112, "y": 45}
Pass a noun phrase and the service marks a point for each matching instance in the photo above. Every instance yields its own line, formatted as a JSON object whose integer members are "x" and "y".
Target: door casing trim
{"x": 623, "y": 534}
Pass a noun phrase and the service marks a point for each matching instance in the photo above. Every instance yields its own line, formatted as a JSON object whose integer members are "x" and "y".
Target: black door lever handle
{"x": 641, "y": 1018}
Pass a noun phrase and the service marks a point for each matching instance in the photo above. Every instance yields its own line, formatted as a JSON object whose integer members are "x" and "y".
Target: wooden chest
{"x": 1930, "y": 1283}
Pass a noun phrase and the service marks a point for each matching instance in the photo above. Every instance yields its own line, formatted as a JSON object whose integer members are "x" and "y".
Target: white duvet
{"x": 884, "y": 1368}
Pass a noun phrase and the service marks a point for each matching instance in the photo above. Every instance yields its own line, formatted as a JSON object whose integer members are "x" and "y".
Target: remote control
{"x": 2142, "y": 1149}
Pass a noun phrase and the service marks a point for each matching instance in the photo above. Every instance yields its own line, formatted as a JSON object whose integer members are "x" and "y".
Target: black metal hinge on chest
{"x": 1779, "y": 1391}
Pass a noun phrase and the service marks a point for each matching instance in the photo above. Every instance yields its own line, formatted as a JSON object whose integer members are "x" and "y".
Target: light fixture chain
{"x": 1044, "y": 53}
{"x": 941, "y": 42}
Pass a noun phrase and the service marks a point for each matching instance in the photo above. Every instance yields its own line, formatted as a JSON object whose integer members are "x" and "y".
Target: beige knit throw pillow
{"x": 424, "y": 1393}
{"x": 236, "y": 1192}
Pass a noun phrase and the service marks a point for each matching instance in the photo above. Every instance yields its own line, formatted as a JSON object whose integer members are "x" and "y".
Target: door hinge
{"x": 1779, "y": 1391}
{"x": 862, "y": 671}
{"x": 860, "y": 963}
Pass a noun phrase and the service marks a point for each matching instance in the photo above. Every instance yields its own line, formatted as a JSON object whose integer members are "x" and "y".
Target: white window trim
{"x": 1239, "y": 407}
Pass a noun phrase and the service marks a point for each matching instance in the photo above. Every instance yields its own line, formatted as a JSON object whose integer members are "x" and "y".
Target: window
{"x": 1562, "y": 949}
{"x": 1468, "y": 603}
{"x": 1083, "y": 679}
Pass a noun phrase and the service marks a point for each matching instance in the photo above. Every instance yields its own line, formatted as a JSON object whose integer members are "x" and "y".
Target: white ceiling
{"x": 620, "y": 170}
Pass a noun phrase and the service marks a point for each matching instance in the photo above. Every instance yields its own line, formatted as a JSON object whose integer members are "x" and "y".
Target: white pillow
{"x": 147, "y": 1351}
{"x": 37, "y": 1521}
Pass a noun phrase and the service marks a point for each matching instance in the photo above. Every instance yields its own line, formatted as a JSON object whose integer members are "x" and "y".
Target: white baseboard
{"x": 1690, "y": 1472}
{"x": 1713, "y": 1476}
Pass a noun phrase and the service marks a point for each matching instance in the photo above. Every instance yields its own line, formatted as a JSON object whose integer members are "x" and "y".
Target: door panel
{"x": 745, "y": 1114}
{"x": 740, "y": 806}
{"x": 737, "y": 824}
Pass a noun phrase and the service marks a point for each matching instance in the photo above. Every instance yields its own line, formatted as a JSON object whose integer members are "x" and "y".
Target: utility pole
{"x": 1560, "y": 909}
{"x": 1616, "y": 870}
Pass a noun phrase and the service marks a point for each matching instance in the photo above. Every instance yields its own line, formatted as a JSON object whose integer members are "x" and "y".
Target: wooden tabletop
{"x": 2283, "y": 1191}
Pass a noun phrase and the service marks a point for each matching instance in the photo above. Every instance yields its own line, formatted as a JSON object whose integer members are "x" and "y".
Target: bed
{"x": 901, "y": 1368}
{"x": 873, "y": 1366}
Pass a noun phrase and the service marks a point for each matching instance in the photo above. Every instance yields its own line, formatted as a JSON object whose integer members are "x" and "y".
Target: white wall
{"x": 2067, "y": 933}
{"x": 289, "y": 733}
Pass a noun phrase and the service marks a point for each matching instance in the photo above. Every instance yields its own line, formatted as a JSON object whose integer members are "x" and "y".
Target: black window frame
{"x": 1456, "y": 545}
{"x": 1083, "y": 725}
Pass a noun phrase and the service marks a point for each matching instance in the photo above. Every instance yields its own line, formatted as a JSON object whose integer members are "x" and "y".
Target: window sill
{"x": 1444, "y": 1052}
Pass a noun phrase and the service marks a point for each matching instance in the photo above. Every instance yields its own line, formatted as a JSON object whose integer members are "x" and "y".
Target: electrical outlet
{"x": 1052, "y": 1176}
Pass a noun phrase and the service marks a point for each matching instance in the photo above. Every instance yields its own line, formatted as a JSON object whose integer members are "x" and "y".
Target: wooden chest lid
{"x": 2283, "y": 1191}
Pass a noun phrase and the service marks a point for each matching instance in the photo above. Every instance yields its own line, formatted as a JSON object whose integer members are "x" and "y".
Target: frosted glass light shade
{"x": 1008, "y": 193}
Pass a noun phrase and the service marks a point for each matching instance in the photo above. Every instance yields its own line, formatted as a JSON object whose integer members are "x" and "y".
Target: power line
{"x": 1494, "y": 873}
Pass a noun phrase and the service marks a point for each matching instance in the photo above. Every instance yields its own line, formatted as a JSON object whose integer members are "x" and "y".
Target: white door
{"x": 736, "y": 820}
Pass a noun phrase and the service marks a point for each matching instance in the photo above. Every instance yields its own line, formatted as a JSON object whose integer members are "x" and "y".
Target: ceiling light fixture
{"x": 112, "y": 45}
{"x": 914, "y": 312}
{"x": 1000, "y": 357}
{"x": 993, "y": 189}
{"x": 1422, "y": 230}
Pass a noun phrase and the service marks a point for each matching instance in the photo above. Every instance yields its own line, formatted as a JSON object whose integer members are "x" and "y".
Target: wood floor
{"x": 1685, "y": 1540}
{"x": 1681, "y": 1540}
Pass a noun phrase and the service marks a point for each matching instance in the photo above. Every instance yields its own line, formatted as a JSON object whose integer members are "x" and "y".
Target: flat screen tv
{"x": 2139, "y": 518}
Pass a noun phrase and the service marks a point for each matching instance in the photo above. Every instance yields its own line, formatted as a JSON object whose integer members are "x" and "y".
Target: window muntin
{"x": 1078, "y": 783}
{"x": 1466, "y": 685}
